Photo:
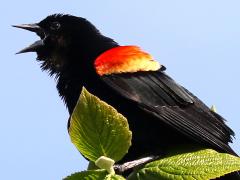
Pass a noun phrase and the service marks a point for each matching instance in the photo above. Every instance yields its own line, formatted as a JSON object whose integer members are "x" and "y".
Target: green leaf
{"x": 114, "y": 177}
{"x": 88, "y": 175}
{"x": 97, "y": 129}
{"x": 213, "y": 108}
{"x": 92, "y": 166}
{"x": 200, "y": 165}
{"x": 94, "y": 175}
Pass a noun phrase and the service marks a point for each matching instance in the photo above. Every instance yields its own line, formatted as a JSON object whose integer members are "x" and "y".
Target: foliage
{"x": 102, "y": 135}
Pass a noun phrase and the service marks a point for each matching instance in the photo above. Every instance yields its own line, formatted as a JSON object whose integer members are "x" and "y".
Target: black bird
{"x": 161, "y": 113}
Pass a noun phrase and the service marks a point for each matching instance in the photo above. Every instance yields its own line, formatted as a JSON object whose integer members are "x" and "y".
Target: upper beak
{"x": 36, "y": 45}
{"x": 30, "y": 27}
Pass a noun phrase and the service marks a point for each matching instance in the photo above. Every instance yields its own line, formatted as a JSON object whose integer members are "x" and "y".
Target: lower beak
{"x": 33, "y": 47}
{"x": 33, "y": 28}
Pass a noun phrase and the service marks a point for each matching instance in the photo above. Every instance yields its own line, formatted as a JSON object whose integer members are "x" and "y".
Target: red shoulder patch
{"x": 124, "y": 59}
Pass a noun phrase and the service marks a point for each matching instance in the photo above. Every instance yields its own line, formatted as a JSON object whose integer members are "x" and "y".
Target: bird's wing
{"x": 159, "y": 95}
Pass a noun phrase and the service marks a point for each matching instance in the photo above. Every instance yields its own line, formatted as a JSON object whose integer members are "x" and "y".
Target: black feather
{"x": 157, "y": 94}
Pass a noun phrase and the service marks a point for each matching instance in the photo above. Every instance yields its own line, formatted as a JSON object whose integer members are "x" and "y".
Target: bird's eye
{"x": 55, "y": 26}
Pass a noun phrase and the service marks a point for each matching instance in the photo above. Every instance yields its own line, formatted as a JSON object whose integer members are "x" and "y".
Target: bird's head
{"x": 61, "y": 35}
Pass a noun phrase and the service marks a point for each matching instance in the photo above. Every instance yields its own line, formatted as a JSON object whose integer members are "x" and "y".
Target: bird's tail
{"x": 231, "y": 176}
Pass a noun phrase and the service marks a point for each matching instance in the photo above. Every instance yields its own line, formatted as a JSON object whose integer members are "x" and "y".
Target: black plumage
{"x": 158, "y": 94}
{"x": 162, "y": 114}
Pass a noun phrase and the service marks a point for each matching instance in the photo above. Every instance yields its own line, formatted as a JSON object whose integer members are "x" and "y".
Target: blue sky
{"x": 198, "y": 42}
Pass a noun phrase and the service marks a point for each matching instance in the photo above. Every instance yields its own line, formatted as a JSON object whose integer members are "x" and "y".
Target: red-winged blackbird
{"x": 161, "y": 114}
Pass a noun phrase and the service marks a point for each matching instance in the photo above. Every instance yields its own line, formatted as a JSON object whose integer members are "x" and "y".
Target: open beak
{"x": 36, "y": 45}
